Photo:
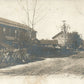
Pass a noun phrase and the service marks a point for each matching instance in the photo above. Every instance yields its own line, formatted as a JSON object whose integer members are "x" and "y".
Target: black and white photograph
{"x": 41, "y": 41}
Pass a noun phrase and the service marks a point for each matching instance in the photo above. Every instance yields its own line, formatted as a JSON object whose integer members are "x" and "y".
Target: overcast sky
{"x": 51, "y": 13}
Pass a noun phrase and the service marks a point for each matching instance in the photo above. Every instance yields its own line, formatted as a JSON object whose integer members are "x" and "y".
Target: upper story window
{"x": 15, "y": 31}
{"x": 4, "y": 29}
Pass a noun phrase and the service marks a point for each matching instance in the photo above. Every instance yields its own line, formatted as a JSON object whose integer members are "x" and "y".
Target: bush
{"x": 74, "y": 40}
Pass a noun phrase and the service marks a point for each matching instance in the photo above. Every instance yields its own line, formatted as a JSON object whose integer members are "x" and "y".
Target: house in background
{"x": 60, "y": 37}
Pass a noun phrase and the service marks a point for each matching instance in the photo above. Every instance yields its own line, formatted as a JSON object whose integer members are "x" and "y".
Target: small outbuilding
{"x": 48, "y": 43}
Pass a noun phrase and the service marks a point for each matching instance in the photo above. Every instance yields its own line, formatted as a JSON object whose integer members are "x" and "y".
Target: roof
{"x": 48, "y": 42}
{"x": 13, "y": 23}
{"x": 57, "y": 35}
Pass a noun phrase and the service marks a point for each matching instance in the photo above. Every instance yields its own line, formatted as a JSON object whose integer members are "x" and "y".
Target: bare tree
{"x": 65, "y": 28}
{"x": 30, "y": 8}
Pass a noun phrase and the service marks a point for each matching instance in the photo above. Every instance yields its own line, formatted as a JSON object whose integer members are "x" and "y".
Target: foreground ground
{"x": 51, "y": 79}
{"x": 56, "y": 70}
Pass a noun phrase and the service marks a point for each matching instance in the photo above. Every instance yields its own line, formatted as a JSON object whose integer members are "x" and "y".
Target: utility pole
{"x": 65, "y": 28}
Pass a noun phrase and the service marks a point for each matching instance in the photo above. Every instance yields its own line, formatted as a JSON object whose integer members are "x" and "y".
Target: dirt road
{"x": 48, "y": 71}
{"x": 52, "y": 79}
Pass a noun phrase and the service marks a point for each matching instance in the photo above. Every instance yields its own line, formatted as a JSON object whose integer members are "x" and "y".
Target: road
{"x": 67, "y": 70}
{"x": 51, "y": 79}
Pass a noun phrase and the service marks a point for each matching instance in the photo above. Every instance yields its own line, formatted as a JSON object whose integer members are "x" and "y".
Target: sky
{"x": 49, "y": 15}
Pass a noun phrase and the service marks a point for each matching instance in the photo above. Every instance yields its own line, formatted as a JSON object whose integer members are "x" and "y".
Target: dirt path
{"x": 48, "y": 66}
{"x": 52, "y": 79}
{"x": 48, "y": 71}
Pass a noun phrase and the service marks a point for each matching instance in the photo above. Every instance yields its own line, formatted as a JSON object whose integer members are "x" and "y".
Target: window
{"x": 4, "y": 29}
{"x": 15, "y": 31}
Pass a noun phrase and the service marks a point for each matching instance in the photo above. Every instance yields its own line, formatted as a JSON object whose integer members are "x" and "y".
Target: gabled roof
{"x": 13, "y": 23}
{"x": 57, "y": 35}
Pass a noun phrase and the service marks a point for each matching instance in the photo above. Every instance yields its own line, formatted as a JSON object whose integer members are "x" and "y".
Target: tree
{"x": 33, "y": 13}
{"x": 65, "y": 27}
{"x": 30, "y": 7}
{"x": 74, "y": 40}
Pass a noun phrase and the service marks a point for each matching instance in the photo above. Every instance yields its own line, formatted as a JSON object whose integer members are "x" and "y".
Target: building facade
{"x": 60, "y": 37}
{"x": 12, "y": 33}
{"x": 48, "y": 43}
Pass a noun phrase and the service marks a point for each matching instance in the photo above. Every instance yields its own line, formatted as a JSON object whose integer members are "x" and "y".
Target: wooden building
{"x": 60, "y": 37}
{"x": 12, "y": 33}
{"x": 48, "y": 43}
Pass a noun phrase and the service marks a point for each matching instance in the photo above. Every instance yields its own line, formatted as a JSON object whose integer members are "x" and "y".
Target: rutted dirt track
{"x": 48, "y": 66}
{"x": 50, "y": 69}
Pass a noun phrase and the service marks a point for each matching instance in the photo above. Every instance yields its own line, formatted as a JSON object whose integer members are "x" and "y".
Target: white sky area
{"x": 51, "y": 14}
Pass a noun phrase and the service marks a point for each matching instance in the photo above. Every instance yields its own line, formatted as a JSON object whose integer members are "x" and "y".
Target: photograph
{"x": 41, "y": 41}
